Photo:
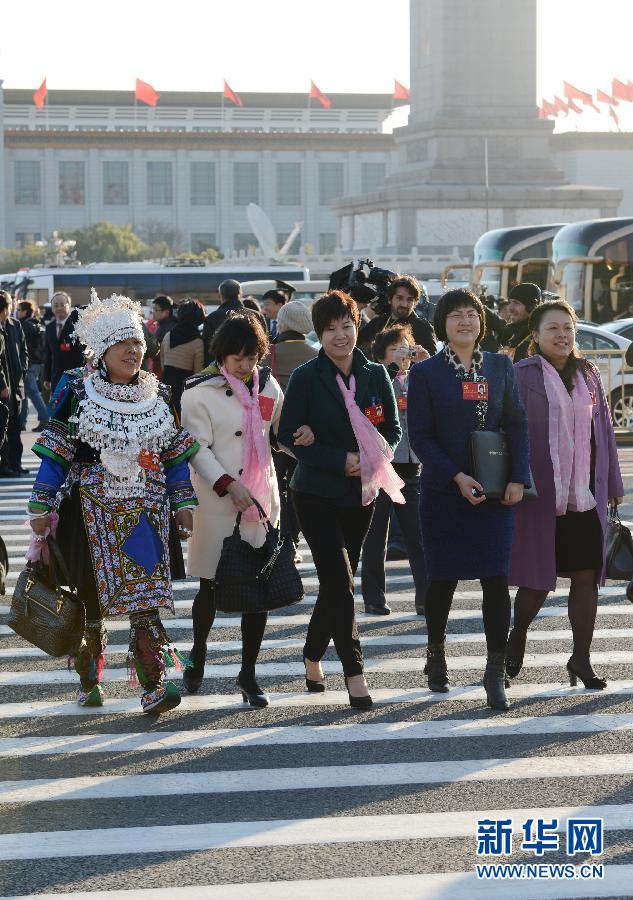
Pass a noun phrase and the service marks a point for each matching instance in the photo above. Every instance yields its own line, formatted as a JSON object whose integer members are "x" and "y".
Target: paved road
{"x": 307, "y": 798}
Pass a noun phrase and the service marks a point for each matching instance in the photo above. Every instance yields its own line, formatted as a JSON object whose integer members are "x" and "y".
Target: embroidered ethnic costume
{"x": 114, "y": 464}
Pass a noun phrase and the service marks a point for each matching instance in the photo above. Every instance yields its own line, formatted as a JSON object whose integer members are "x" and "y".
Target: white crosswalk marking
{"x": 217, "y": 801}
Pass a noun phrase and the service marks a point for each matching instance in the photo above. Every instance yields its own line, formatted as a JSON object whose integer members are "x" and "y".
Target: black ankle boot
{"x": 193, "y": 673}
{"x": 494, "y": 681}
{"x": 436, "y": 669}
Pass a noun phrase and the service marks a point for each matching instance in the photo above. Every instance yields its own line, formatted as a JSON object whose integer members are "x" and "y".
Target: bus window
{"x": 490, "y": 278}
{"x": 572, "y": 286}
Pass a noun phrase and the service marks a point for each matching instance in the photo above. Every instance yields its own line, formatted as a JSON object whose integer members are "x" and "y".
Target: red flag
{"x": 39, "y": 97}
{"x": 603, "y": 97}
{"x": 316, "y": 94}
{"x": 146, "y": 93}
{"x": 573, "y": 93}
{"x": 546, "y": 110}
{"x": 560, "y": 105}
{"x": 574, "y": 108}
{"x": 621, "y": 91}
{"x": 400, "y": 92}
{"x": 232, "y": 96}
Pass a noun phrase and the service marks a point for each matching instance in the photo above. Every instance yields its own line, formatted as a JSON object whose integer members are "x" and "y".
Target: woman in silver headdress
{"x": 114, "y": 465}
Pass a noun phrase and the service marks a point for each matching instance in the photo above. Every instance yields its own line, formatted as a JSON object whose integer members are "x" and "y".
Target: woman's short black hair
{"x": 191, "y": 312}
{"x": 332, "y": 306}
{"x": 241, "y": 333}
{"x": 387, "y": 338}
{"x": 458, "y": 299}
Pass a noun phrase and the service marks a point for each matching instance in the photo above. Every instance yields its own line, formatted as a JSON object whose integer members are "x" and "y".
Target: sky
{"x": 279, "y": 45}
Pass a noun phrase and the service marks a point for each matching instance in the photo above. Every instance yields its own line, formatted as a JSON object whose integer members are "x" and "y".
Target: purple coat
{"x": 533, "y": 557}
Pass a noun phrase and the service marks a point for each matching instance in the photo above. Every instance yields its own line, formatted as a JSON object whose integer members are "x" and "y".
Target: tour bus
{"x": 504, "y": 257}
{"x": 593, "y": 261}
{"x": 142, "y": 281}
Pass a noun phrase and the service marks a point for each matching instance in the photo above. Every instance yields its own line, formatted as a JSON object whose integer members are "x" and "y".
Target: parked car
{"x": 616, "y": 376}
{"x": 623, "y": 327}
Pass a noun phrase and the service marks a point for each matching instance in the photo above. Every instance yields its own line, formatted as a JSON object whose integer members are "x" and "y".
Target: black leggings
{"x": 495, "y": 608}
{"x": 203, "y": 615}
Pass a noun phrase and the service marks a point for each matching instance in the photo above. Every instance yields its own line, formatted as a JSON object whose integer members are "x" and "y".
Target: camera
{"x": 411, "y": 353}
{"x": 365, "y": 283}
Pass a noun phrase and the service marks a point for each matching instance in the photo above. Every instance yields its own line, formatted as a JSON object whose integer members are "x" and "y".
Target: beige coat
{"x": 213, "y": 416}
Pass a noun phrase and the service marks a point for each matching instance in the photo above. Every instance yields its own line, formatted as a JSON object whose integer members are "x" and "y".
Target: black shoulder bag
{"x": 257, "y": 579}
{"x": 43, "y": 612}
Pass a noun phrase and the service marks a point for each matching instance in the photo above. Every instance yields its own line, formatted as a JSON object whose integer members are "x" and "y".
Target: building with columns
{"x": 191, "y": 165}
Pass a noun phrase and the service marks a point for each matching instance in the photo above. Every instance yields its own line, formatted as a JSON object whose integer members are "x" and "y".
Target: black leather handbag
{"x": 491, "y": 464}
{"x": 619, "y": 548}
{"x": 43, "y": 612}
{"x": 257, "y": 579}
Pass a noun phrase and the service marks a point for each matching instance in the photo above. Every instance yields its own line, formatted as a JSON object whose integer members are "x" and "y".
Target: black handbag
{"x": 4, "y": 567}
{"x": 619, "y": 550}
{"x": 257, "y": 579}
{"x": 43, "y": 612}
{"x": 491, "y": 464}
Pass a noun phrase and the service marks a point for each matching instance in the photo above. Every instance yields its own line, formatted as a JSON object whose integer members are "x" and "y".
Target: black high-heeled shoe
{"x": 314, "y": 687}
{"x": 251, "y": 691}
{"x": 515, "y": 654}
{"x": 592, "y": 683}
{"x": 193, "y": 673}
{"x": 358, "y": 702}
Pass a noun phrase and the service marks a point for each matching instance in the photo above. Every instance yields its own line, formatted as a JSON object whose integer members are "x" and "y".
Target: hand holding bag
{"x": 43, "y": 612}
{"x": 619, "y": 550}
{"x": 257, "y": 579}
{"x": 491, "y": 465}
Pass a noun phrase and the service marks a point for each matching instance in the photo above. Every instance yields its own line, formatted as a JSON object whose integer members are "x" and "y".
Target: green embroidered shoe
{"x": 93, "y": 697}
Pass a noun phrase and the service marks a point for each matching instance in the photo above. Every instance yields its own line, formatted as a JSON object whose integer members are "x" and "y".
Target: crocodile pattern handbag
{"x": 43, "y": 612}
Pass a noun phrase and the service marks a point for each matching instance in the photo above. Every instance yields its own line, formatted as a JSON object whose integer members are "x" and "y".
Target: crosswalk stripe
{"x": 285, "y": 735}
{"x": 292, "y": 700}
{"x": 293, "y": 669}
{"x": 289, "y": 832}
{"x": 410, "y": 639}
{"x": 280, "y": 779}
{"x": 428, "y": 886}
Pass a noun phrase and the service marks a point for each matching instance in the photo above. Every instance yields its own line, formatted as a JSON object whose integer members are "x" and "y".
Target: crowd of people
{"x": 338, "y": 426}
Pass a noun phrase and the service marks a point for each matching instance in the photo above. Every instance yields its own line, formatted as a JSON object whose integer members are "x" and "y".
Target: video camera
{"x": 365, "y": 283}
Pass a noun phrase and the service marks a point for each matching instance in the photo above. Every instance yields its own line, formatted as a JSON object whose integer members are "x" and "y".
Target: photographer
{"x": 402, "y": 295}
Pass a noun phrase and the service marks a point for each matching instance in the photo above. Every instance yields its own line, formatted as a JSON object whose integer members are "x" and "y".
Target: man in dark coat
{"x": 403, "y": 294}
{"x": 230, "y": 292}
{"x": 517, "y": 335}
{"x": 16, "y": 362}
{"x": 61, "y": 351}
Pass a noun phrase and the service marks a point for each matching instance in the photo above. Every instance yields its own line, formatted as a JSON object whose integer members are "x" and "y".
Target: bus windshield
{"x": 572, "y": 285}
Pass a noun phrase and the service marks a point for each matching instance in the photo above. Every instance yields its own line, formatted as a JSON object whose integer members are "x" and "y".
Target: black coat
{"x": 423, "y": 333}
{"x": 16, "y": 358}
{"x": 63, "y": 353}
{"x": 213, "y": 322}
{"x": 313, "y": 398}
{"x": 34, "y": 336}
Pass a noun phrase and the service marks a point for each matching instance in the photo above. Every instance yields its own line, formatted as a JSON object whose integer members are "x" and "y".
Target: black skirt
{"x": 578, "y": 542}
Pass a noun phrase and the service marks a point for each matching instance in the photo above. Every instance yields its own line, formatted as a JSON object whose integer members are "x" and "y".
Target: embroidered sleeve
{"x": 178, "y": 481}
{"x": 49, "y": 479}
{"x": 181, "y": 448}
{"x": 57, "y": 441}
{"x": 179, "y": 488}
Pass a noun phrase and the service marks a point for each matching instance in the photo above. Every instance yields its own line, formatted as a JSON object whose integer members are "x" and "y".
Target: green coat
{"x": 313, "y": 398}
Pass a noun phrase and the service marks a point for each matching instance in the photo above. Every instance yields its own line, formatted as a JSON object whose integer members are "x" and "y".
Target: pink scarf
{"x": 569, "y": 440}
{"x": 376, "y": 471}
{"x": 256, "y": 455}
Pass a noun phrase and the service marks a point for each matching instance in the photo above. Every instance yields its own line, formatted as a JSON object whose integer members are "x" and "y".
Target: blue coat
{"x": 462, "y": 541}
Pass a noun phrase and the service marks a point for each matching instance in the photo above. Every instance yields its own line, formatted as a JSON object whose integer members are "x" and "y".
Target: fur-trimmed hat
{"x": 104, "y": 323}
{"x": 294, "y": 316}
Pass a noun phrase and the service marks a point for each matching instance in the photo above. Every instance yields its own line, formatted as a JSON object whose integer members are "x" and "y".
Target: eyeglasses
{"x": 461, "y": 317}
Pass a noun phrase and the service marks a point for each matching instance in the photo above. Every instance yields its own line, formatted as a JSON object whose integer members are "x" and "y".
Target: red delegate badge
{"x": 402, "y": 403}
{"x": 375, "y": 413}
{"x": 148, "y": 459}
{"x": 65, "y": 347}
{"x": 266, "y": 406}
{"x": 474, "y": 390}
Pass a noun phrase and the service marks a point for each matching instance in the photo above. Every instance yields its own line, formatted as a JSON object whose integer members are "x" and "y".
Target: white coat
{"x": 213, "y": 415}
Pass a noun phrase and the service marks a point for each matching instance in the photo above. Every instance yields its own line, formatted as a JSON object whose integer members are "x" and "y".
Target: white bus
{"x": 141, "y": 281}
